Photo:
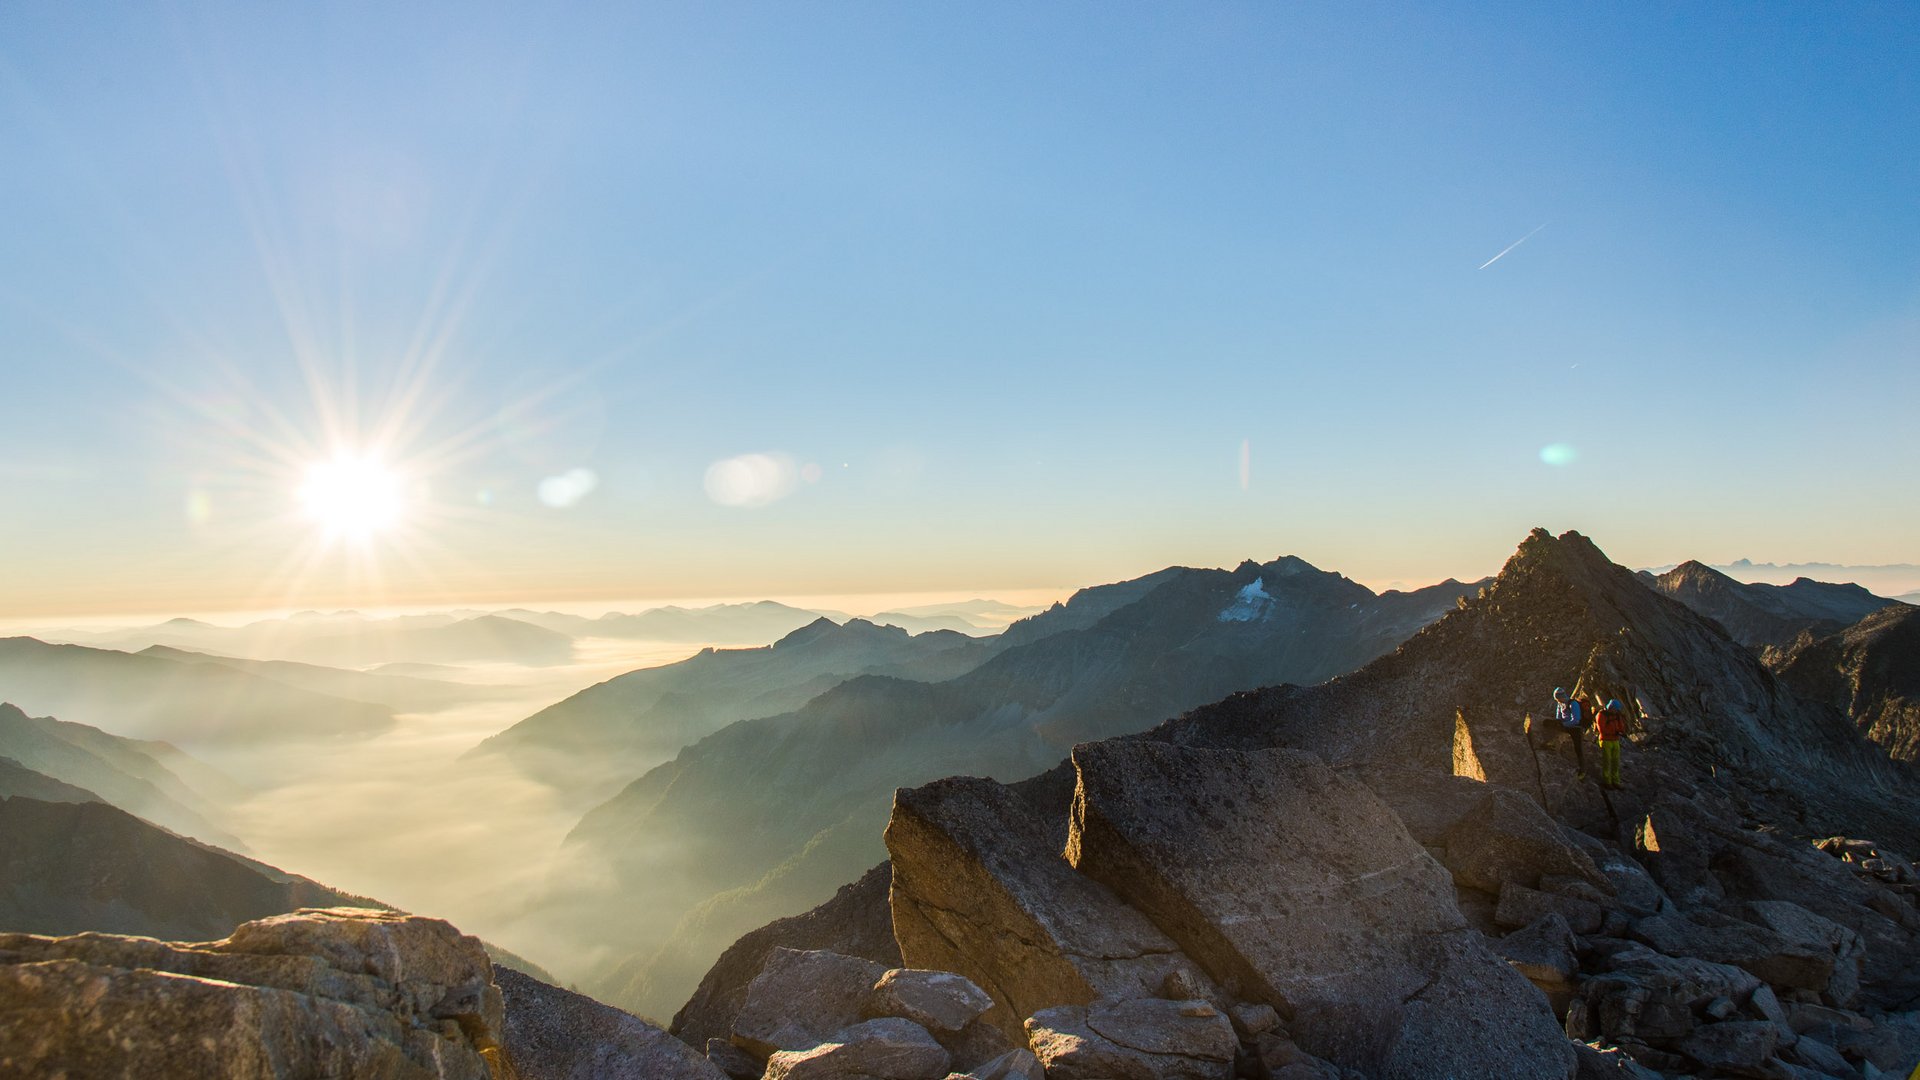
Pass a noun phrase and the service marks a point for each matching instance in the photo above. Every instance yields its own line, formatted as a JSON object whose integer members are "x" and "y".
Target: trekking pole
{"x": 1533, "y": 751}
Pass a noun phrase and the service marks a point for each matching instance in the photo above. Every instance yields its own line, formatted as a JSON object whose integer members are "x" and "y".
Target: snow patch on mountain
{"x": 1250, "y": 603}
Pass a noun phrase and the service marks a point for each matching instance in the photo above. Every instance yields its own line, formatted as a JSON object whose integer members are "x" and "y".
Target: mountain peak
{"x": 810, "y": 632}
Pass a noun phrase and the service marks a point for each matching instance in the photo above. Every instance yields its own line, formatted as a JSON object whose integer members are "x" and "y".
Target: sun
{"x": 352, "y": 497}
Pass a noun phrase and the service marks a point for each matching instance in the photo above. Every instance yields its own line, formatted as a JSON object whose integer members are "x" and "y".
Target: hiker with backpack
{"x": 1611, "y": 726}
{"x": 1572, "y": 717}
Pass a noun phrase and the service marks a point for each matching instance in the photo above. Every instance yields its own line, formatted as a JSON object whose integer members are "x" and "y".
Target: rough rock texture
{"x": 936, "y": 1000}
{"x": 321, "y": 992}
{"x": 1143, "y": 1039}
{"x": 977, "y": 889}
{"x": 1507, "y": 837}
{"x": 801, "y": 998}
{"x": 555, "y": 1034}
{"x": 1544, "y": 952}
{"x": 884, "y": 1049}
{"x": 1870, "y": 671}
{"x": 1012, "y": 1065}
{"x": 1299, "y": 888}
{"x": 855, "y": 922}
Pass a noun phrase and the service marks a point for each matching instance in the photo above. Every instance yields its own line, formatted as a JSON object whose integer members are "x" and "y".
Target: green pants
{"x": 1610, "y": 761}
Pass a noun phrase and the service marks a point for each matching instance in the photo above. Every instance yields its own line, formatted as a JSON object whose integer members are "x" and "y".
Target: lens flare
{"x": 352, "y": 497}
{"x": 1558, "y": 454}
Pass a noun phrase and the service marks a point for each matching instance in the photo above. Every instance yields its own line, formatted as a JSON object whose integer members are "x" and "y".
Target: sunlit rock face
{"x": 322, "y": 992}
{"x": 978, "y": 889}
{"x": 335, "y": 992}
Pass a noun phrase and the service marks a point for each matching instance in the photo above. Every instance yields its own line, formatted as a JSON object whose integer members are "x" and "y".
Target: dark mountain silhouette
{"x": 767, "y": 816}
{"x": 71, "y": 867}
{"x": 143, "y": 778}
{"x": 608, "y": 733}
{"x": 1760, "y": 615}
{"x": 403, "y": 693}
{"x": 155, "y": 697}
{"x": 1870, "y": 672}
{"x": 17, "y": 779}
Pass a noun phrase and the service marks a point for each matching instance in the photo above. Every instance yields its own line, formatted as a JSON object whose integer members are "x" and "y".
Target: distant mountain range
{"x": 768, "y": 815}
{"x": 179, "y": 700}
{"x": 348, "y": 639}
{"x": 1897, "y": 580}
{"x": 600, "y": 738}
{"x": 1759, "y": 614}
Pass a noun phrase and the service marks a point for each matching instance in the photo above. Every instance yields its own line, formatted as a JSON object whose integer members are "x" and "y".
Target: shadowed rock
{"x": 977, "y": 889}
{"x": 854, "y": 923}
{"x": 1145, "y": 1039}
{"x": 555, "y": 1034}
{"x": 802, "y": 998}
{"x": 1299, "y": 888}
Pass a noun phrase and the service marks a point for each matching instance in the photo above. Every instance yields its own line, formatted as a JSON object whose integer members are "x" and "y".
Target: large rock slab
{"x": 320, "y": 992}
{"x": 979, "y": 889}
{"x": 555, "y": 1034}
{"x": 1300, "y": 888}
{"x": 1507, "y": 837}
{"x": 1142, "y": 1039}
{"x": 1805, "y": 963}
{"x": 801, "y": 998}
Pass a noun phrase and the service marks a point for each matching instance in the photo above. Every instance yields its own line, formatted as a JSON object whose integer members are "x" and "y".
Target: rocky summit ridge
{"x": 1397, "y": 874}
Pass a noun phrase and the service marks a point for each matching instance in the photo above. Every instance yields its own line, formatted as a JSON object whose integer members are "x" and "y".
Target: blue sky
{"x": 1019, "y": 281}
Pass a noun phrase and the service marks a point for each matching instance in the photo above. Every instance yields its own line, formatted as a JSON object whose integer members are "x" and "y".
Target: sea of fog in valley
{"x": 403, "y": 814}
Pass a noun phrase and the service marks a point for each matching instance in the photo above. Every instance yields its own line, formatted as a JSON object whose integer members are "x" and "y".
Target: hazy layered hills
{"x": 17, "y": 779}
{"x": 402, "y": 693}
{"x": 611, "y": 732}
{"x": 67, "y": 867}
{"x": 1759, "y": 614}
{"x": 766, "y": 816}
{"x": 350, "y": 639}
{"x": 151, "y": 779}
{"x": 157, "y": 697}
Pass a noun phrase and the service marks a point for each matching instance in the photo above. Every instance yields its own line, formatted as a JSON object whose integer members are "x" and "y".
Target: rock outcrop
{"x": 978, "y": 889}
{"x": 322, "y": 992}
{"x": 555, "y": 1034}
{"x": 338, "y": 992}
{"x": 1298, "y": 888}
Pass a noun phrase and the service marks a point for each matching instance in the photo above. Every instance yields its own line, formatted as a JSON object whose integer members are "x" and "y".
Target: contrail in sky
{"x": 1510, "y": 247}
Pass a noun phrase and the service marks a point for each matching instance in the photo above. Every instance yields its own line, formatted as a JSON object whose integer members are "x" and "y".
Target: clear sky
{"x": 664, "y": 300}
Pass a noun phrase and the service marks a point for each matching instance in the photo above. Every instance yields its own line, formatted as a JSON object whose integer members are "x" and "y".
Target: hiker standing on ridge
{"x": 1571, "y": 718}
{"x": 1611, "y": 726}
